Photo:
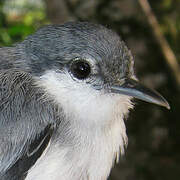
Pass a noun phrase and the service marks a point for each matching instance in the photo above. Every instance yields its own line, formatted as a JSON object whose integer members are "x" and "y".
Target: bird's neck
{"x": 84, "y": 152}
{"x": 13, "y": 58}
{"x": 90, "y": 135}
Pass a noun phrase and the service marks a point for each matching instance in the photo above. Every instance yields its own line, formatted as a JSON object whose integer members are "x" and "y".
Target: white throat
{"x": 97, "y": 125}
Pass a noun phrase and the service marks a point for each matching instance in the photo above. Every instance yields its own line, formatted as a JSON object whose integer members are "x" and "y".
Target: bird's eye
{"x": 80, "y": 69}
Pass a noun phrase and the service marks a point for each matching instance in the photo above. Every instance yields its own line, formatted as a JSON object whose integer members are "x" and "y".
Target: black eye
{"x": 80, "y": 69}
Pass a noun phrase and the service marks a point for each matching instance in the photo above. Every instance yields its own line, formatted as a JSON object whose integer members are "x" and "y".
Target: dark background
{"x": 154, "y": 148}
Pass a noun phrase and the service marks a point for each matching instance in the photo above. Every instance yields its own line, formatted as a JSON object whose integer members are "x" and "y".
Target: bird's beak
{"x": 135, "y": 89}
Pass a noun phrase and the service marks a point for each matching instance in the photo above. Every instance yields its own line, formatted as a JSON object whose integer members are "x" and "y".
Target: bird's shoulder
{"x": 26, "y": 123}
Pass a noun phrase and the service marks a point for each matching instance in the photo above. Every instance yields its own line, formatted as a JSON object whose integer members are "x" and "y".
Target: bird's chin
{"x": 123, "y": 103}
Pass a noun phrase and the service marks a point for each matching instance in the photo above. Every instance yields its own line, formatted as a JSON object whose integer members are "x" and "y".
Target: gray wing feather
{"x": 24, "y": 118}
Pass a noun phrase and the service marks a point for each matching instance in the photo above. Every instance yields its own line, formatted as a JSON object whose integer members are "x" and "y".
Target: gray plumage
{"x": 52, "y": 123}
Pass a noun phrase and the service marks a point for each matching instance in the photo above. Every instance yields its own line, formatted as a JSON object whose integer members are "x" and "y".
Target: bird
{"x": 65, "y": 92}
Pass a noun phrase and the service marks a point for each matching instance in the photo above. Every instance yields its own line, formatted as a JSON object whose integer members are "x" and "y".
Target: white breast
{"x": 97, "y": 128}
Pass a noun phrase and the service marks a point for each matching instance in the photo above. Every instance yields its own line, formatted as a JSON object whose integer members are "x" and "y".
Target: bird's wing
{"x": 16, "y": 168}
{"x": 25, "y": 124}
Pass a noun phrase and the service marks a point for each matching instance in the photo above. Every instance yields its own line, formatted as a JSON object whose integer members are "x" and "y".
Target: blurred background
{"x": 151, "y": 29}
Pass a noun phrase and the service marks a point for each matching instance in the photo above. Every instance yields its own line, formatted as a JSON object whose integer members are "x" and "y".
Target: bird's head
{"x": 85, "y": 66}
